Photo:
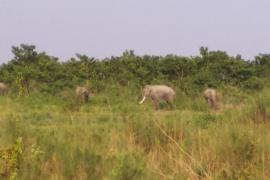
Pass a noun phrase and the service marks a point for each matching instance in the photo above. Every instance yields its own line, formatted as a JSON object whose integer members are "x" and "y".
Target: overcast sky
{"x": 103, "y": 28}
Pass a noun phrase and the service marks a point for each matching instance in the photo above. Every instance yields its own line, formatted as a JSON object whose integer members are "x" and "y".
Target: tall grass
{"x": 112, "y": 137}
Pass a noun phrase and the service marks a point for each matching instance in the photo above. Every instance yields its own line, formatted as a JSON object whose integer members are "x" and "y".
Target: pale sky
{"x": 104, "y": 28}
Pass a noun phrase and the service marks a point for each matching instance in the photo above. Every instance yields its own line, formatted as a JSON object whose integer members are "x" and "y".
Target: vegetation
{"x": 46, "y": 134}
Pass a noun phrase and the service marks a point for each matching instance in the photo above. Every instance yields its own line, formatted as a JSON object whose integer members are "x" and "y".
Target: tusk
{"x": 142, "y": 100}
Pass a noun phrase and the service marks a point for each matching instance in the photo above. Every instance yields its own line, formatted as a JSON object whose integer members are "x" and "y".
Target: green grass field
{"x": 112, "y": 137}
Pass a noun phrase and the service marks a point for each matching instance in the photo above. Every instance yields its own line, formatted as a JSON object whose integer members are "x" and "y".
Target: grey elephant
{"x": 3, "y": 88}
{"x": 211, "y": 96}
{"x": 158, "y": 93}
{"x": 82, "y": 93}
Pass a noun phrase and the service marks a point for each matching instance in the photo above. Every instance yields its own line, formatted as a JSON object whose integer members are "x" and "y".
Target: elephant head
{"x": 145, "y": 93}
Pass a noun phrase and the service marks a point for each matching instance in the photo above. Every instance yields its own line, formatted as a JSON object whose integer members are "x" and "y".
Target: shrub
{"x": 253, "y": 83}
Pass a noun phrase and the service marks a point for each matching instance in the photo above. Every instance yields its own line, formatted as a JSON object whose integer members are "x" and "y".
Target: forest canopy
{"x": 31, "y": 70}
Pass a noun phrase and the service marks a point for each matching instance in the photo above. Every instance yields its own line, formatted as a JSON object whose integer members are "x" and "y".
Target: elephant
{"x": 3, "y": 88}
{"x": 158, "y": 93}
{"x": 211, "y": 96}
{"x": 82, "y": 93}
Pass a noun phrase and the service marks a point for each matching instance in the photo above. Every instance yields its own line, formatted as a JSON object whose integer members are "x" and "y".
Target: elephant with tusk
{"x": 158, "y": 93}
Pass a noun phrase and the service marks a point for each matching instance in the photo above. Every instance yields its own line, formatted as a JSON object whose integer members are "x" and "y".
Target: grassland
{"x": 112, "y": 137}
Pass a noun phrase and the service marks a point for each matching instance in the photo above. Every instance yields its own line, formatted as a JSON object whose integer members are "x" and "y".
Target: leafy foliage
{"x": 30, "y": 70}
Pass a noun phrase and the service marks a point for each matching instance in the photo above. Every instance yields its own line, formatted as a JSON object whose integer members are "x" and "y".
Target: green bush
{"x": 253, "y": 83}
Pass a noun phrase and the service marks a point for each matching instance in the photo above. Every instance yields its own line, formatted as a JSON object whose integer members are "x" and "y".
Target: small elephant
{"x": 157, "y": 93}
{"x": 82, "y": 93}
{"x": 211, "y": 97}
{"x": 3, "y": 88}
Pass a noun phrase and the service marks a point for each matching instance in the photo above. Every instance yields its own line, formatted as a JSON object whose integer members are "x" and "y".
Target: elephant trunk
{"x": 142, "y": 100}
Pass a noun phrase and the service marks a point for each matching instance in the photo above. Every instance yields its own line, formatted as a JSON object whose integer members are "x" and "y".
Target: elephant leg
{"x": 81, "y": 99}
{"x": 86, "y": 98}
{"x": 155, "y": 104}
{"x": 170, "y": 103}
{"x": 215, "y": 106}
{"x": 210, "y": 102}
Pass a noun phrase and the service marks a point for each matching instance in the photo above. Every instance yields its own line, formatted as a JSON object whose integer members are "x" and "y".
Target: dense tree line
{"x": 31, "y": 70}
